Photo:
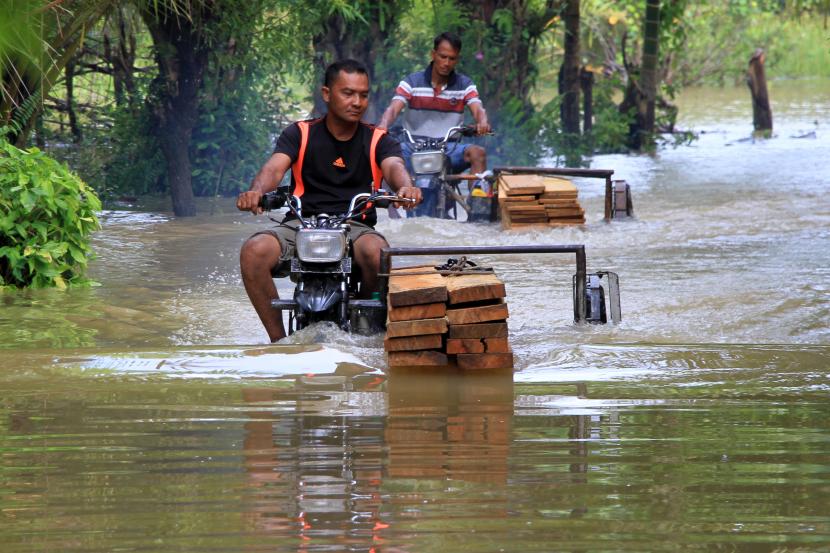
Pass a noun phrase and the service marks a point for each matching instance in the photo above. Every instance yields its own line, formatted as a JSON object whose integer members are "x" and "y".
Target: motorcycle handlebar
{"x": 273, "y": 200}
{"x": 378, "y": 198}
{"x": 463, "y": 130}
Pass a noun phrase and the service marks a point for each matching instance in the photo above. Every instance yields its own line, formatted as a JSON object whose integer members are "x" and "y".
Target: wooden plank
{"x": 411, "y": 343}
{"x": 566, "y": 222}
{"x": 496, "y": 345}
{"x": 565, "y": 212}
{"x": 556, "y": 202}
{"x": 485, "y": 361}
{"x": 474, "y": 287}
{"x": 558, "y": 195}
{"x": 515, "y": 209}
{"x": 416, "y": 328}
{"x": 415, "y": 289}
{"x": 466, "y": 345}
{"x": 558, "y": 184}
{"x": 480, "y": 314}
{"x": 413, "y": 312}
{"x": 479, "y": 330}
{"x": 417, "y": 359}
{"x": 512, "y": 199}
{"x": 520, "y": 185}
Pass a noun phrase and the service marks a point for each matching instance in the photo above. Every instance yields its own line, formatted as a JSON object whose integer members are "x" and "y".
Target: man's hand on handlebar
{"x": 411, "y": 193}
{"x": 249, "y": 201}
{"x": 483, "y": 128}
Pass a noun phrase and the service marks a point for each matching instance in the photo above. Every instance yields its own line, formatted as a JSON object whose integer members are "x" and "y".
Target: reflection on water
{"x": 132, "y": 420}
{"x": 358, "y": 460}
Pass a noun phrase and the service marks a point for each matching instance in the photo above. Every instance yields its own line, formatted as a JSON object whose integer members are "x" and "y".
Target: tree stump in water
{"x": 757, "y": 82}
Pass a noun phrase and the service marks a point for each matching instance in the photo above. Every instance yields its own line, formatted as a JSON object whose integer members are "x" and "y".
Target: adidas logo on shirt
{"x": 339, "y": 163}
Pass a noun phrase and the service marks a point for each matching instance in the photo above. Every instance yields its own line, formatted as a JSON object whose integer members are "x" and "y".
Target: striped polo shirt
{"x": 431, "y": 112}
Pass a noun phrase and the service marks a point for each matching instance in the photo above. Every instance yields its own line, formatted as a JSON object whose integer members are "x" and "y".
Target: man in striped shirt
{"x": 436, "y": 98}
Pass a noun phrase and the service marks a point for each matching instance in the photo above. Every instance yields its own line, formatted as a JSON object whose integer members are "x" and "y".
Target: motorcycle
{"x": 431, "y": 168}
{"x": 326, "y": 283}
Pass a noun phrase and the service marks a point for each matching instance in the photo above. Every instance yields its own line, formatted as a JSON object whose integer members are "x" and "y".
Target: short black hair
{"x": 452, "y": 38}
{"x": 347, "y": 66}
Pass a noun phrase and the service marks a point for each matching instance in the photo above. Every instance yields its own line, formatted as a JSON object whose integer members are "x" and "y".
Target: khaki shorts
{"x": 285, "y": 233}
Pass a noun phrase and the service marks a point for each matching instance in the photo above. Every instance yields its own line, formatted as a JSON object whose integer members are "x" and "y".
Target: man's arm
{"x": 480, "y": 115}
{"x": 391, "y": 113}
{"x": 265, "y": 181}
{"x": 395, "y": 173}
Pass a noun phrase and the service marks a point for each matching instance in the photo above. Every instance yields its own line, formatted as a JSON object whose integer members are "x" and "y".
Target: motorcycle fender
{"x": 318, "y": 295}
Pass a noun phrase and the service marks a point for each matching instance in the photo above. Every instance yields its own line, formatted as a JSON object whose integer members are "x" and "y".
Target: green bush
{"x": 46, "y": 217}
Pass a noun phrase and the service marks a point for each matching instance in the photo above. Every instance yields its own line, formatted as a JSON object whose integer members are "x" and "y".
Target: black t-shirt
{"x": 334, "y": 171}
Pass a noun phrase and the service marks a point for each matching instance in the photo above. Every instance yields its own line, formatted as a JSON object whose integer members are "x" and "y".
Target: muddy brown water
{"x": 150, "y": 414}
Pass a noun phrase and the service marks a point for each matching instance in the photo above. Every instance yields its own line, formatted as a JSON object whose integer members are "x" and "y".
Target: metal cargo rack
{"x": 613, "y": 209}
{"x": 588, "y": 294}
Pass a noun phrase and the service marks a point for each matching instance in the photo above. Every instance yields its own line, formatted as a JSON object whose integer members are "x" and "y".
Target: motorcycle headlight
{"x": 427, "y": 162}
{"x": 320, "y": 246}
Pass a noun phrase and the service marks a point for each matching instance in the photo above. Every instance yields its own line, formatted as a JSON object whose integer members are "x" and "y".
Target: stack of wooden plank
{"x": 434, "y": 320}
{"x": 530, "y": 199}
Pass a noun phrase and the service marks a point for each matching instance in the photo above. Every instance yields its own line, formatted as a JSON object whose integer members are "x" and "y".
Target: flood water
{"x": 150, "y": 414}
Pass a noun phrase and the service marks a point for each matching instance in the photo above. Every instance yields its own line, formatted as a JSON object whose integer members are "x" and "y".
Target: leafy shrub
{"x": 46, "y": 216}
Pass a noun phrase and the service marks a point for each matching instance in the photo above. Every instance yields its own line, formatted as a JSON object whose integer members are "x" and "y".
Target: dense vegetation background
{"x": 185, "y": 97}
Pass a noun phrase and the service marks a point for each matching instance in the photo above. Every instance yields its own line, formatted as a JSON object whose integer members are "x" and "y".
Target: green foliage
{"x": 610, "y": 129}
{"x": 244, "y": 97}
{"x": 46, "y": 217}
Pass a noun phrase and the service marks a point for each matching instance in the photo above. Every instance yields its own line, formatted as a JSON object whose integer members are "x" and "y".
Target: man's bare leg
{"x": 258, "y": 255}
{"x": 476, "y": 156}
{"x": 367, "y": 256}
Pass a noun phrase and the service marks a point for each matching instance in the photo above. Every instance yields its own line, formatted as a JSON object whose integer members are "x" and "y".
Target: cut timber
{"x": 479, "y": 330}
{"x": 474, "y": 287}
{"x": 481, "y": 314}
{"x": 566, "y": 222}
{"x": 417, "y": 359}
{"x": 556, "y": 185}
{"x": 520, "y": 185}
{"x": 485, "y": 360}
{"x": 465, "y": 345}
{"x": 512, "y": 199}
{"x": 515, "y": 209}
{"x": 497, "y": 345}
{"x": 416, "y": 328}
{"x": 478, "y": 345}
{"x": 556, "y": 202}
{"x": 414, "y": 289}
{"x": 413, "y": 312}
{"x": 554, "y": 213}
{"x": 412, "y": 343}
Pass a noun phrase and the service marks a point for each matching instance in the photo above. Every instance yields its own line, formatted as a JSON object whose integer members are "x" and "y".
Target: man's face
{"x": 444, "y": 58}
{"x": 348, "y": 96}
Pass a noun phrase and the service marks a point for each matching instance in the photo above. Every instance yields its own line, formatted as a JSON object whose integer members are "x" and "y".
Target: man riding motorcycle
{"x": 332, "y": 159}
{"x": 436, "y": 98}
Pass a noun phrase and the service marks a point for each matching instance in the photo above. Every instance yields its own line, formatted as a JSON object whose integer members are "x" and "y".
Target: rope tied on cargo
{"x": 459, "y": 265}
{"x": 453, "y": 267}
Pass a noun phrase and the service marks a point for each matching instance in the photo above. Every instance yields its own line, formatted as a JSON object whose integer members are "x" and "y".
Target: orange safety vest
{"x": 297, "y": 166}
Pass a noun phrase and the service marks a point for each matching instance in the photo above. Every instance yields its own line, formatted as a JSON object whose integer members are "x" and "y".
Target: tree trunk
{"x": 182, "y": 58}
{"x": 648, "y": 73}
{"x": 69, "y": 72}
{"x": 121, "y": 57}
{"x": 586, "y": 81}
{"x": 569, "y": 86}
{"x": 757, "y": 82}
